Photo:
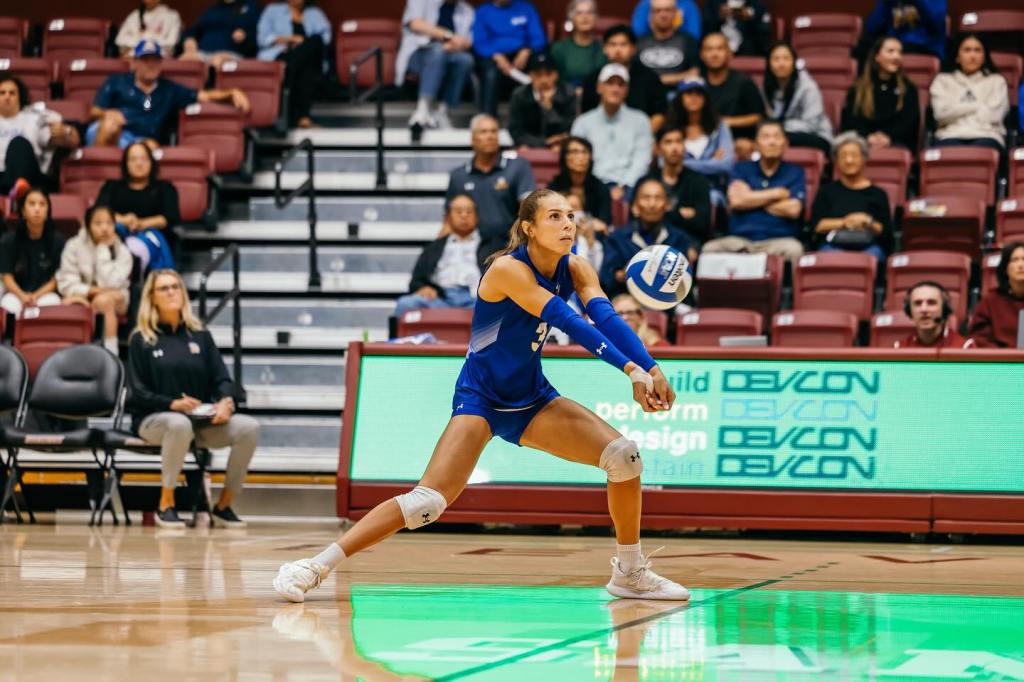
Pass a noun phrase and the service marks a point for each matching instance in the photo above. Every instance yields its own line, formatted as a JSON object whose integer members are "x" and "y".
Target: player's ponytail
{"x": 527, "y": 211}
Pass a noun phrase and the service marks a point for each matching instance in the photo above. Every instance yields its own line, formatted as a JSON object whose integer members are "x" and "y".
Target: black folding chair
{"x": 13, "y": 389}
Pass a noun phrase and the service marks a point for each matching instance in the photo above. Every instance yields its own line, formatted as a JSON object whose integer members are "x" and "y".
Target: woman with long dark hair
{"x": 996, "y": 319}
{"x": 794, "y": 98}
{"x": 576, "y": 177}
{"x": 969, "y": 98}
{"x": 882, "y": 106}
{"x": 30, "y": 256}
{"x": 706, "y": 137}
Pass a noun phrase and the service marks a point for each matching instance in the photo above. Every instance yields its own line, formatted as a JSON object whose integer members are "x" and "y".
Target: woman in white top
{"x": 970, "y": 98}
{"x": 794, "y": 98}
{"x": 154, "y": 21}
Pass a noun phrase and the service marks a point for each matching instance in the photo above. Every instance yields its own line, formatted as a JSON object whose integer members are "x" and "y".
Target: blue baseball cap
{"x": 148, "y": 48}
{"x": 693, "y": 84}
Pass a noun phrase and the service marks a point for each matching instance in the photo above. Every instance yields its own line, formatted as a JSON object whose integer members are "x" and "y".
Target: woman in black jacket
{"x": 577, "y": 177}
{"x": 882, "y": 106}
{"x": 180, "y": 390}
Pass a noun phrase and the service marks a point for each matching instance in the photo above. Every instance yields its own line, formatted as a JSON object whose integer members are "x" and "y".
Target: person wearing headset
{"x": 927, "y": 305}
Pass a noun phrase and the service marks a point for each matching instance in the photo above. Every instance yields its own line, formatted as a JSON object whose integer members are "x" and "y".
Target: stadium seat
{"x": 1011, "y": 66}
{"x": 1002, "y": 28}
{"x": 36, "y": 74}
{"x": 187, "y": 72}
{"x": 825, "y": 34}
{"x": 750, "y": 65}
{"x": 921, "y": 69}
{"x": 356, "y": 36}
{"x": 814, "y": 329}
{"x": 831, "y": 72}
{"x": 658, "y": 321}
{"x": 970, "y": 172}
{"x": 448, "y": 325}
{"x": 262, "y": 82}
{"x": 13, "y": 32}
{"x": 604, "y": 22}
{"x": 1016, "y": 185}
{"x": 69, "y": 109}
{"x": 706, "y": 326}
{"x": 834, "y": 100}
{"x": 951, "y": 270}
{"x": 81, "y": 78}
{"x": 891, "y": 326}
{"x": 835, "y": 280}
{"x": 68, "y": 212}
{"x": 70, "y": 38}
{"x": 84, "y": 172}
{"x": 989, "y": 265}
{"x": 945, "y": 223}
{"x": 620, "y": 212}
{"x": 813, "y": 163}
{"x": 217, "y": 127}
{"x": 1009, "y": 221}
{"x": 889, "y": 168}
{"x": 40, "y": 332}
{"x": 544, "y": 163}
{"x": 187, "y": 168}
{"x": 762, "y": 295}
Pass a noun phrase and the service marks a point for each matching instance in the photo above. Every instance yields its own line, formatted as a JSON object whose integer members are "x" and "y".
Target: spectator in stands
{"x": 144, "y": 206}
{"x": 919, "y": 24}
{"x": 448, "y": 270}
{"x": 650, "y": 203}
{"x": 794, "y": 98}
{"x": 851, "y": 214}
{"x": 497, "y": 184}
{"x": 152, "y": 20}
{"x": 670, "y": 54}
{"x": 296, "y": 33}
{"x": 632, "y": 313}
{"x": 579, "y": 54}
{"x": 746, "y": 24}
{"x": 927, "y": 305}
{"x": 646, "y": 91}
{"x": 139, "y": 105}
{"x": 541, "y": 112}
{"x": 766, "y": 200}
{"x": 736, "y": 97}
{"x": 620, "y": 136}
{"x": 996, "y": 319}
{"x": 689, "y": 194}
{"x": 687, "y": 20}
{"x": 30, "y": 255}
{"x": 437, "y": 38}
{"x": 590, "y": 233}
{"x": 95, "y": 271}
{"x": 970, "y": 99}
{"x": 576, "y": 178}
{"x": 28, "y": 134}
{"x": 176, "y": 381}
{"x": 706, "y": 137}
{"x": 505, "y": 33}
{"x": 882, "y": 105}
{"x": 225, "y": 31}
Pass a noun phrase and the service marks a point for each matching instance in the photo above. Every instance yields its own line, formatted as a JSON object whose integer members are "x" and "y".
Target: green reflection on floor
{"x": 485, "y": 633}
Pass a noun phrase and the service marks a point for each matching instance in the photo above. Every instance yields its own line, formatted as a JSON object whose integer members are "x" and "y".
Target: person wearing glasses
{"x": 180, "y": 391}
{"x": 632, "y": 314}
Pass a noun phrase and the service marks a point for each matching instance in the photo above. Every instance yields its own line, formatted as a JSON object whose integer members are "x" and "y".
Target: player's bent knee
{"x": 421, "y": 506}
{"x": 621, "y": 460}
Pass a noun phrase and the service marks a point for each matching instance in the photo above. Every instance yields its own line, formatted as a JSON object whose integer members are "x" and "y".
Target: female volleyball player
{"x": 502, "y": 392}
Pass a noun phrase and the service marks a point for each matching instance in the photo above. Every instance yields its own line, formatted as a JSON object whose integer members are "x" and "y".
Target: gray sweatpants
{"x": 173, "y": 432}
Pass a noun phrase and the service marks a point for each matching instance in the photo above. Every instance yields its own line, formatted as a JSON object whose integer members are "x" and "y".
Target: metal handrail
{"x": 308, "y": 188}
{"x": 377, "y": 90}
{"x": 233, "y": 296}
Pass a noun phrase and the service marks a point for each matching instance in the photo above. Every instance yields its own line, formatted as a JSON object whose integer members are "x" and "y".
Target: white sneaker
{"x": 643, "y": 583}
{"x": 422, "y": 119}
{"x": 296, "y": 578}
{"x": 441, "y": 119}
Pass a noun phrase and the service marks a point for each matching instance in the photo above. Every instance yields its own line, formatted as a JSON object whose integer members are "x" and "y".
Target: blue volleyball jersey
{"x": 503, "y": 362}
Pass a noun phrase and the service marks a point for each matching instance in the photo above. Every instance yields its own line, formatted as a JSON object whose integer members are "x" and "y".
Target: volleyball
{"x": 659, "y": 277}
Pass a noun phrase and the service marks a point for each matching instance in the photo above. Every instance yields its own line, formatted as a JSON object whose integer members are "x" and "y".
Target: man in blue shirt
{"x": 689, "y": 18}
{"x": 505, "y": 33}
{"x": 766, "y": 200}
{"x": 919, "y": 24}
{"x": 138, "y": 105}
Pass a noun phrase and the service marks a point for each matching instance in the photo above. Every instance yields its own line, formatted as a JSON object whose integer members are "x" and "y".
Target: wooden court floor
{"x": 142, "y": 604}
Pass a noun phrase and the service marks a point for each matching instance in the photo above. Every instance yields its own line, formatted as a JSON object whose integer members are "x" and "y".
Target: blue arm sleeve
{"x": 608, "y": 322}
{"x": 558, "y": 314}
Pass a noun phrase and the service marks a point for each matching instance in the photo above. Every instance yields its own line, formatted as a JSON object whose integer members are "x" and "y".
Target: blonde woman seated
{"x": 180, "y": 390}
{"x": 96, "y": 269}
{"x": 632, "y": 313}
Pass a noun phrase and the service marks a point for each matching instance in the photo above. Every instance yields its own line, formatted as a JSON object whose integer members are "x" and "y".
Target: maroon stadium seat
{"x": 945, "y": 223}
{"x": 891, "y": 326}
{"x": 835, "y": 280}
{"x": 658, "y": 321}
{"x": 36, "y": 74}
{"x": 834, "y": 100}
{"x": 889, "y": 168}
{"x": 1009, "y": 221}
{"x": 83, "y": 77}
{"x": 68, "y": 212}
{"x": 69, "y": 109}
{"x": 1011, "y": 66}
{"x": 921, "y": 69}
{"x": 831, "y": 72}
{"x": 261, "y": 82}
{"x": 217, "y": 127}
{"x": 814, "y": 329}
{"x": 544, "y": 163}
{"x": 188, "y": 72}
{"x": 40, "y": 332}
{"x": 825, "y": 33}
{"x": 13, "y": 31}
{"x": 706, "y": 326}
{"x": 1002, "y": 28}
{"x": 603, "y": 23}
{"x": 989, "y": 265}
{"x": 85, "y": 171}
{"x": 70, "y": 38}
{"x": 762, "y": 295}
{"x": 187, "y": 168}
{"x": 1016, "y": 188}
{"x": 960, "y": 171}
{"x": 951, "y": 270}
{"x": 355, "y": 36}
{"x": 750, "y": 65}
{"x": 449, "y": 325}
{"x": 813, "y": 163}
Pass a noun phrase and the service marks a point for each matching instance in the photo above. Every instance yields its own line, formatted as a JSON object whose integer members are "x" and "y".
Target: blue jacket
{"x": 930, "y": 32}
{"x": 214, "y": 27}
{"x": 716, "y": 170}
{"x": 624, "y": 243}
{"x": 691, "y": 18}
{"x": 276, "y": 21}
{"x": 501, "y": 30}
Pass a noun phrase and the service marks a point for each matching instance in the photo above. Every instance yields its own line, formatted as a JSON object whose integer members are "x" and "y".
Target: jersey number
{"x": 542, "y": 331}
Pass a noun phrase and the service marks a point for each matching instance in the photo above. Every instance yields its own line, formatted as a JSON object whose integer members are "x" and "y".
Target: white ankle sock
{"x": 331, "y": 556}
{"x": 629, "y": 556}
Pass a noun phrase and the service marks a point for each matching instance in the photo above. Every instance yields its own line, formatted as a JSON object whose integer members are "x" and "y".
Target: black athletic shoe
{"x": 226, "y": 518}
{"x": 168, "y": 518}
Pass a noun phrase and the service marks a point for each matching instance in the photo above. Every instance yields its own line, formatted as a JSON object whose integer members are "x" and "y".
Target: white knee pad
{"x": 621, "y": 460}
{"x": 421, "y": 506}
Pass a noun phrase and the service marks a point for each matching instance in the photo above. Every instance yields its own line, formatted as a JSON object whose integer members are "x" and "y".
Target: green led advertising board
{"x": 869, "y": 425}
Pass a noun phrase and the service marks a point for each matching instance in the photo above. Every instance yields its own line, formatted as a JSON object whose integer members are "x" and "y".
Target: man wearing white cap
{"x": 621, "y": 136}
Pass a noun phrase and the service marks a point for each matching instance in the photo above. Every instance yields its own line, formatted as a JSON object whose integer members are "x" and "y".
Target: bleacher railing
{"x": 377, "y": 91}
{"x": 307, "y": 187}
{"x": 234, "y": 296}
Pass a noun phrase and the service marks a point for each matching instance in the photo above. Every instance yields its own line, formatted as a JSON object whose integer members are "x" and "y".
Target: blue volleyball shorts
{"x": 507, "y": 424}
